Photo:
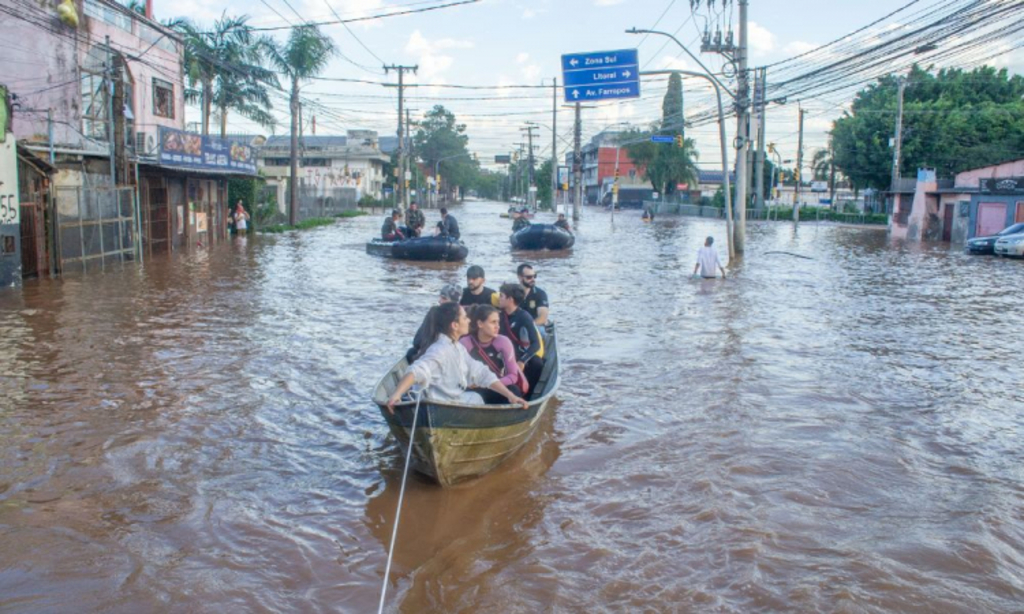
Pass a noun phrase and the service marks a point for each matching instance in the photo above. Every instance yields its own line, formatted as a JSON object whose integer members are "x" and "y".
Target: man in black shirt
{"x": 449, "y": 225}
{"x": 518, "y": 326}
{"x": 475, "y": 292}
{"x": 536, "y": 301}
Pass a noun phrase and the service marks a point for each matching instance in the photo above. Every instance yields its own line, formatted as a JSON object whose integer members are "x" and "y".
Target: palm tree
{"x": 305, "y": 55}
{"x": 223, "y": 67}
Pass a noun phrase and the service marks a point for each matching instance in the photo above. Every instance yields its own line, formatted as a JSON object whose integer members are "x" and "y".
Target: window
{"x": 163, "y": 99}
{"x": 95, "y": 116}
{"x": 315, "y": 162}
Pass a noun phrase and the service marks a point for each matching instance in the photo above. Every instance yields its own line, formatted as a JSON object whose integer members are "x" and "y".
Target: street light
{"x": 707, "y": 75}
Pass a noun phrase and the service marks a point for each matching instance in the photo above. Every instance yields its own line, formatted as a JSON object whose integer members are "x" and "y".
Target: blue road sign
{"x": 662, "y": 139}
{"x": 602, "y": 75}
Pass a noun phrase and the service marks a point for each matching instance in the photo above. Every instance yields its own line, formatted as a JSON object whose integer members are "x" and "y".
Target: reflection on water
{"x": 838, "y": 433}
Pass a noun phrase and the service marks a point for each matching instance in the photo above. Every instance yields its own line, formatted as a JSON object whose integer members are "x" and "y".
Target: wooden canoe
{"x": 456, "y": 442}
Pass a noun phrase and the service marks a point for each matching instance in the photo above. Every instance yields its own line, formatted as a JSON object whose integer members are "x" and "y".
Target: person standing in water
{"x": 241, "y": 219}
{"x": 707, "y": 261}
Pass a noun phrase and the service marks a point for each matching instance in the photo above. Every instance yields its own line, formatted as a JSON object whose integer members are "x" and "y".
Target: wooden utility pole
{"x": 400, "y": 196}
{"x": 799, "y": 168}
{"x": 409, "y": 161}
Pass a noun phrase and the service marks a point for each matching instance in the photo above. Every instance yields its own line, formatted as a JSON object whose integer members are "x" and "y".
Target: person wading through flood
{"x": 390, "y": 231}
{"x": 536, "y": 301}
{"x": 415, "y": 220}
{"x": 486, "y": 344}
{"x": 448, "y": 226}
{"x": 446, "y": 369}
{"x": 241, "y": 218}
{"x": 475, "y": 292}
{"x": 707, "y": 260}
{"x": 518, "y": 326}
{"x": 422, "y": 339}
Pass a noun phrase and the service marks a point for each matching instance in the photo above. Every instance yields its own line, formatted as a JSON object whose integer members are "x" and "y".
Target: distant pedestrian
{"x": 707, "y": 261}
{"x": 241, "y": 218}
{"x": 475, "y": 292}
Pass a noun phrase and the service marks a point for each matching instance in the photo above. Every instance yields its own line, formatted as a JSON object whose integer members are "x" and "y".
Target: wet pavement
{"x": 841, "y": 433}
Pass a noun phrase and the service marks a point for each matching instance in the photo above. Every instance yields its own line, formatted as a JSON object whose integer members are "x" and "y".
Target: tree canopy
{"x": 665, "y": 165}
{"x": 441, "y": 140}
{"x": 953, "y": 120}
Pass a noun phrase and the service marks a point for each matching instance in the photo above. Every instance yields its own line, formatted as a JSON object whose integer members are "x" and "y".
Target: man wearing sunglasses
{"x": 536, "y": 302}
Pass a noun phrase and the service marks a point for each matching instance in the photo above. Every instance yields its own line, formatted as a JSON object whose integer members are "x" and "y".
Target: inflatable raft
{"x": 542, "y": 236}
{"x": 421, "y": 248}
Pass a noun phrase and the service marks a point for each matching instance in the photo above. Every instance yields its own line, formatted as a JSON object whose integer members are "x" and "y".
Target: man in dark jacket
{"x": 415, "y": 220}
{"x": 449, "y": 226}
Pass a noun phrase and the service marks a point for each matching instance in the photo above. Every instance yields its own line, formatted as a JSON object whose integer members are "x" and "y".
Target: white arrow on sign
{"x": 573, "y": 62}
{"x": 575, "y": 93}
{"x": 626, "y": 73}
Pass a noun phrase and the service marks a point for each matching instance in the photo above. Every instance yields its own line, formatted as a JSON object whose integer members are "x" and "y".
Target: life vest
{"x": 520, "y": 342}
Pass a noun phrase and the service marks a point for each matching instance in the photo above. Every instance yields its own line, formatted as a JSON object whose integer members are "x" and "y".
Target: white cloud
{"x": 798, "y": 47}
{"x": 431, "y": 61}
{"x": 522, "y": 57}
{"x": 529, "y": 14}
{"x": 761, "y": 41}
{"x": 531, "y": 72}
{"x": 669, "y": 62}
{"x": 607, "y": 2}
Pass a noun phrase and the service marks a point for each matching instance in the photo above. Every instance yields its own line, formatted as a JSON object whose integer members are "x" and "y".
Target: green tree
{"x": 542, "y": 177}
{"x": 305, "y": 55}
{"x": 442, "y": 141}
{"x": 953, "y": 120}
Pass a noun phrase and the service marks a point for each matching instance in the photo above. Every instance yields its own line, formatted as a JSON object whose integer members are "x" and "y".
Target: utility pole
{"x": 742, "y": 142}
{"x": 832, "y": 175}
{"x": 897, "y": 141}
{"x": 799, "y": 168}
{"x": 762, "y": 109}
{"x": 554, "y": 145}
{"x": 577, "y": 167}
{"x": 531, "y": 189}
{"x": 409, "y": 160}
{"x": 400, "y": 184}
{"x": 108, "y": 90}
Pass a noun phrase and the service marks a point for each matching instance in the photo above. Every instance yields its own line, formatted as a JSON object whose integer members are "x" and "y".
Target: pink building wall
{"x": 970, "y": 179}
{"x": 45, "y": 70}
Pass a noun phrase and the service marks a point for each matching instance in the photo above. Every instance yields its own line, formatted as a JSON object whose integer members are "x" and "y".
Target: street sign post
{"x": 657, "y": 138}
{"x": 601, "y": 75}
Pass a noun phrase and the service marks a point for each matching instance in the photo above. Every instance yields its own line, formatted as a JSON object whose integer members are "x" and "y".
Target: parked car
{"x": 986, "y": 245}
{"x": 1011, "y": 245}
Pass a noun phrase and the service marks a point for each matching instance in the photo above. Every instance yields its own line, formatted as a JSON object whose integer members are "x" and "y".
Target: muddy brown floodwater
{"x": 836, "y": 434}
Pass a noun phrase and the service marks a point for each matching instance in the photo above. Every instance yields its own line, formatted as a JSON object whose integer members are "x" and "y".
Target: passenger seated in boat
{"x": 485, "y": 344}
{"x": 422, "y": 340}
{"x": 390, "y": 230}
{"x": 563, "y": 223}
{"x": 446, "y": 370}
{"x": 519, "y": 221}
{"x": 518, "y": 326}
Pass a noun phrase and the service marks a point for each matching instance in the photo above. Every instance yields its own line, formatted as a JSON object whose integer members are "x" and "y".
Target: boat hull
{"x": 542, "y": 236}
{"x": 437, "y": 249}
{"x": 455, "y": 442}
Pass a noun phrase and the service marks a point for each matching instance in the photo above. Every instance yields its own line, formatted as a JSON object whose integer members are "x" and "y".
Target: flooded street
{"x": 840, "y": 434}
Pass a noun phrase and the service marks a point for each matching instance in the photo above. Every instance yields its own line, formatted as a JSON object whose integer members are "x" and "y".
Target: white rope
{"x": 401, "y": 495}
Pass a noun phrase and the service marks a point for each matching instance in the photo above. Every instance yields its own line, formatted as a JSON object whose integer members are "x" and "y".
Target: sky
{"x": 520, "y": 42}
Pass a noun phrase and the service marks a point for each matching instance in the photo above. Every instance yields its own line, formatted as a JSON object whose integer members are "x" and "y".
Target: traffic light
{"x": 679, "y": 140}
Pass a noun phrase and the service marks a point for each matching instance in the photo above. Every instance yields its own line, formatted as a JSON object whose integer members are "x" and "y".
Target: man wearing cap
{"x": 475, "y": 292}
{"x": 415, "y": 220}
{"x": 449, "y": 294}
{"x": 519, "y": 221}
{"x": 707, "y": 261}
{"x": 390, "y": 231}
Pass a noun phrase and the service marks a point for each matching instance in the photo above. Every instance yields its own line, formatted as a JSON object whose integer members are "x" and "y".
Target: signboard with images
{"x": 186, "y": 149}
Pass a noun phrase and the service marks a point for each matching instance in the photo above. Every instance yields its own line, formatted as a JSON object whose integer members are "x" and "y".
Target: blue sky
{"x": 506, "y": 42}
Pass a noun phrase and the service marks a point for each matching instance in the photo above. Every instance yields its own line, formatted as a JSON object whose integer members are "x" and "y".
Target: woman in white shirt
{"x": 241, "y": 217}
{"x": 446, "y": 369}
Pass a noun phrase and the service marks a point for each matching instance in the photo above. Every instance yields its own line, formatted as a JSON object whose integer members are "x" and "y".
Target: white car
{"x": 1010, "y": 245}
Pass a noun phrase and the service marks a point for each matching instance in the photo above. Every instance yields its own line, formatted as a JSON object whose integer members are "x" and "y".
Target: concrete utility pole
{"x": 531, "y": 190}
{"x": 762, "y": 108}
{"x": 400, "y": 184}
{"x": 554, "y": 145}
{"x": 799, "y": 168}
{"x": 577, "y": 166}
{"x": 742, "y": 141}
{"x": 897, "y": 140}
{"x": 408, "y": 161}
{"x": 108, "y": 78}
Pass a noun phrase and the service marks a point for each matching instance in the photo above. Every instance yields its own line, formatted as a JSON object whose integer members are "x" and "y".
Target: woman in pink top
{"x": 485, "y": 344}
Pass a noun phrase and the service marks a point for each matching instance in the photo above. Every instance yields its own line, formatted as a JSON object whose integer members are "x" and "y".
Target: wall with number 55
{"x": 10, "y": 211}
